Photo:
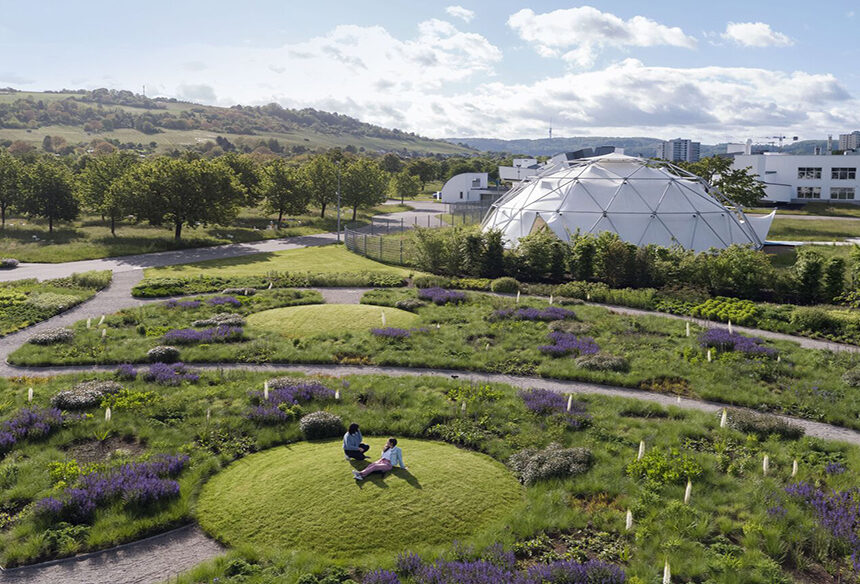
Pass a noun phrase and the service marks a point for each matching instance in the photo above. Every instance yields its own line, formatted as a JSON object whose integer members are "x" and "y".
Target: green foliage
{"x": 834, "y": 279}
{"x": 743, "y": 312}
{"x": 506, "y": 285}
{"x": 660, "y": 467}
{"x": 159, "y": 287}
{"x": 809, "y": 270}
{"x": 764, "y": 425}
{"x": 473, "y": 392}
{"x": 127, "y": 399}
{"x": 321, "y": 424}
{"x": 532, "y": 466}
{"x": 285, "y": 190}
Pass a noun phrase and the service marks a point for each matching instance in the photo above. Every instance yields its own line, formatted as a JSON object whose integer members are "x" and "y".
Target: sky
{"x": 714, "y": 72}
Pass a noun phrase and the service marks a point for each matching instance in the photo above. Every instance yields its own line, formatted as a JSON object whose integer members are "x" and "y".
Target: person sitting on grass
{"x": 352, "y": 444}
{"x": 391, "y": 456}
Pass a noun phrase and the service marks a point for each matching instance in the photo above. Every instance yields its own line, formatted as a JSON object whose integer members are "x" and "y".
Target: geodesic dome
{"x": 643, "y": 201}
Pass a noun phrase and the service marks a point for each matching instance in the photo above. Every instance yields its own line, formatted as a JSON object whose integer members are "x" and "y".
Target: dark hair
{"x": 393, "y": 441}
{"x": 353, "y": 428}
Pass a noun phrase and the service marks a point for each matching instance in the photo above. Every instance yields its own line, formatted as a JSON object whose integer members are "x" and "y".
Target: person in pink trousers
{"x": 392, "y": 456}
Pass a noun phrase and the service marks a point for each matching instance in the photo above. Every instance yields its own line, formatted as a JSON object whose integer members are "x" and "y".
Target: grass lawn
{"x": 813, "y": 230}
{"x": 310, "y": 320}
{"x": 303, "y": 497}
{"x": 318, "y": 260}
{"x": 825, "y": 208}
{"x": 88, "y": 237}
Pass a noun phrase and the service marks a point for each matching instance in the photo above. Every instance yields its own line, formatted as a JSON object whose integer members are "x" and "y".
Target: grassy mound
{"x": 304, "y": 497}
{"x": 301, "y": 321}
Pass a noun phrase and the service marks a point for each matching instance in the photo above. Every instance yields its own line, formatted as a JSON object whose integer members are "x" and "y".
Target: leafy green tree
{"x": 284, "y": 189}
{"x": 739, "y": 185}
{"x": 245, "y": 169}
{"x": 321, "y": 175}
{"x": 391, "y": 163}
{"x": 11, "y": 180}
{"x": 808, "y": 269}
{"x": 582, "y": 256}
{"x": 48, "y": 192}
{"x": 363, "y": 184}
{"x": 405, "y": 185}
{"x": 424, "y": 169}
{"x": 95, "y": 185}
{"x": 183, "y": 192}
{"x": 494, "y": 254}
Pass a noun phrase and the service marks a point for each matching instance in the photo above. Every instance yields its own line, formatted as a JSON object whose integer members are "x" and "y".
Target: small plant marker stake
{"x": 270, "y": 286}
{"x": 778, "y": 358}
{"x": 487, "y": 348}
{"x": 104, "y": 333}
{"x": 588, "y": 296}
{"x": 709, "y": 355}
{"x": 208, "y": 415}
{"x": 89, "y": 323}
{"x": 794, "y": 468}
{"x": 463, "y": 407}
{"x": 724, "y": 419}
{"x": 569, "y": 402}
{"x": 550, "y": 298}
{"x": 688, "y": 491}
{"x": 518, "y": 296}
{"x": 688, "y": 328}
{"x": 678, "y": 400}
{"x": 629, "y": 523}
{"x": 102, "y": 320}
{"x": 667, "y": 573}
{"x": 107, "y": 414}
{"x": 641, "y": 450}
{"x": 383, "y": 318}
{"x": 730, "y": 327}
{"x": 266, "y": 390}
{"x": 765, "y": 464}
{"x": 30, "y": 394}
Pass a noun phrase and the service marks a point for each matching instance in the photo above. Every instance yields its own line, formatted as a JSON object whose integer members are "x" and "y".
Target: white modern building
{"x": 803, "y": 178}
{"x": 849, "y": 141}
{"x": 464, "y": 188}
{"x": 641, "y": 200}
{"x": 681, "y": 150}
{"x": 520, "y": 169}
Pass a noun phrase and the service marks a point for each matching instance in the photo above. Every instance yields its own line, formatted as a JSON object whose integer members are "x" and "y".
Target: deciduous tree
{"x": 48, "y": 192}
{"x": 363, "y": 184}
{"x": 11, "y": 178}
{"x": 405, "y": 185}
{"x": 284, "y": 189}
{"x": 95, "y": 185}
{"x": 321, "y": 175}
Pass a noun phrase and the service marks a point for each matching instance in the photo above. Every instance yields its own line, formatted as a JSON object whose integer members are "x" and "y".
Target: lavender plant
{"x": 190, "y": 336}
{"x": 723, "y": 340}
{"x": 441, "y": 296}
{"x": 29, "y": 423}
{"x": 569, "y": 344}
{"x": 170, "y": 374}
{"x": 547, "y": 314}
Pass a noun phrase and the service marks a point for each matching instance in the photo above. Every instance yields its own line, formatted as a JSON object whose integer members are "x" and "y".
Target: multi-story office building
{"x": 804, "y": 178}
{"x": 849, "y": 141}
{"x": 680, "y": 150}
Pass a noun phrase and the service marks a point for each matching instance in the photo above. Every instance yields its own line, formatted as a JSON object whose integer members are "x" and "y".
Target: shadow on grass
{"x": 379, "y": 478}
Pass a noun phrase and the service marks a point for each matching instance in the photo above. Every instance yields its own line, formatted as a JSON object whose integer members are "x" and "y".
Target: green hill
{"x": 122, "y": 117}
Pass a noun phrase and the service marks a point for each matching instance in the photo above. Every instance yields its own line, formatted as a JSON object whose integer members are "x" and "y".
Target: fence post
{"x": 401, "y": 252}
{"x": 365, "y": 245}
{"x": 380, "y": 247}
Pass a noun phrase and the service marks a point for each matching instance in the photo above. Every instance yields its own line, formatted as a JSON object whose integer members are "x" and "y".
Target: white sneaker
{"x": 357, "y": 475}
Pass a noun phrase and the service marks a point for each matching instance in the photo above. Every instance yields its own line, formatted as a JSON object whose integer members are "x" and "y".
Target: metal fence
{"x": 378, "y": 247}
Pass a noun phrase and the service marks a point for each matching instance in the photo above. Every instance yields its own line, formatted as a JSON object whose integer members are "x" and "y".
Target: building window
{"x": 808, "y": 172}
{"x": 808, "y": 192}
{"x": 842, "y": 193}
{"x": 461, "y": 194}
{"x": 843, "y": 173}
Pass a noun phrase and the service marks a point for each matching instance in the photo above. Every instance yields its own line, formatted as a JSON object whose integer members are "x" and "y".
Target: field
{"x": 826, "y": 209}
{"x": 321, "y": 260}
{"x": 813, "y": 230}
{"x": 90, "y": 238}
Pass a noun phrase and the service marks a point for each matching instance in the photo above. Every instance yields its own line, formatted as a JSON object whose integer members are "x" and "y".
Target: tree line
{"x": 186, "y": 190}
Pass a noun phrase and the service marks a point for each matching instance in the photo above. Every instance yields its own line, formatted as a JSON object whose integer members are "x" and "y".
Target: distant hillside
{"x": 637, "y": 146}
{"x": 80, "y": 116}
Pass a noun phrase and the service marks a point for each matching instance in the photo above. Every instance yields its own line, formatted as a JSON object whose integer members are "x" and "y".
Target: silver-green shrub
{"x": 602, "y": 362}
{"x": 532, "y": 465}
{"x": 226, "y": 319}
{"x": 51, "y": 336}
{"x": 163, "y": 354}
{"x": 84, "y": 395}
{"x": 321, "y": 424}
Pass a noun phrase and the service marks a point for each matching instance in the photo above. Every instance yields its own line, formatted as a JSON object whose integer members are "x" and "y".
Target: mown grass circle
{"x": 303, "y": 497}
{"x": 312, "y": 319}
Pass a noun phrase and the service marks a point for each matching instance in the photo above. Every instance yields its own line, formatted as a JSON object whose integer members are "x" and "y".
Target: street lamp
{"x": 338, "y": 201}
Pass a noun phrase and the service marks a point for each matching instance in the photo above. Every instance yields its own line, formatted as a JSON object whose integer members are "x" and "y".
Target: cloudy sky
{"x": 712, "y": 71}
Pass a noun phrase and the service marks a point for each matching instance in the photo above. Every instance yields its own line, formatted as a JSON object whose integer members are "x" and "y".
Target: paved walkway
{"x": 147, "y": 561}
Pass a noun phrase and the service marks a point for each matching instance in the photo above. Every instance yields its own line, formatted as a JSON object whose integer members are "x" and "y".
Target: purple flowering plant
{"x": 838, "y": 512}
{"x": 126, "y": 372}
{"x": 170, "y": 374}
{"x": 219, "y": 334}
{"x": 722, "y": 339}
{"x": 569, "y": 344}
{"x": 548, "y": 403}
{"x": 183, "y": 304}
{"x": 29, "y": 423}
{"x": 282, "y": 397}
{"x": 224, "y": 301}
{"x": 441, "y": 296}
{"x": 540, "y": 314}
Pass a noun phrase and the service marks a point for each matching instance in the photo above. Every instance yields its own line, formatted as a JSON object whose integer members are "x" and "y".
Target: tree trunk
{"x": 50, "y": 223}
{"x": 322, "y": 212}
{"x": 354, "y": 211}
{"x": 113, "y": 226}
{"x": 280, "y": 218}
{"x": 177, "y": 231}
{"x": 3, "y": 217}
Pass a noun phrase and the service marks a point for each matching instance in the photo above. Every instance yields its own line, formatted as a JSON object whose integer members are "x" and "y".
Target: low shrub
{"x": 763, "y": 425}
{"x": 8, "y": 263}
{"x": 51, "y": 301}
{"x": 52, "y": 336}
{"x": 852, "y": 377}
{"x": 85, "y": 395}
{"x": 429, "y": 281}
{"x": 723, "y": 340}
{"x": 659, "y": 467}
{"x": 532, "y": 465}
{"x": 170, "y": 374}
{"x": 811, "y": 319}
{"x": 190, "y": 336}
{"x": 321, "y": 424}
{"x": 410, "y": 304}
{"x": 460, "y": 431}
{"x": 163, "y": 354}
{"x": 29, "y": 423}
{"x": 94, "y": 280}
{"x": 441, "y": 296}
{"x": 126, "y": 372}
{"x": 550, "y": 313}
{"x": 568, "y": 344}
{"x": 724, "y": 309}
{"x": 602, "y": 362}
{"x": 391, "y": 333}
{"x": 570, "y": 326}
{"x": 224, "y": 319}
{"x": 505, "y": 285}
{"x": 471, "y": 283}
{"x": 564, "y": 301}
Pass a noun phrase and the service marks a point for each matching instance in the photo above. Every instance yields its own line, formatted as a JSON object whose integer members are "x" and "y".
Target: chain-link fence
{"x": 390, "y": 250}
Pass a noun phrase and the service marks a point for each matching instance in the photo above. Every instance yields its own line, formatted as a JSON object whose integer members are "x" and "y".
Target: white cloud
{"x": 463, "y": 14}
{"x": 577, "y": 34}
{"x": 755, "y": 34}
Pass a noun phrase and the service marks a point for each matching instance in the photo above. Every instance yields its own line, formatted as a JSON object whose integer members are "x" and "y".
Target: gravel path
{"x": 147, "y": 561}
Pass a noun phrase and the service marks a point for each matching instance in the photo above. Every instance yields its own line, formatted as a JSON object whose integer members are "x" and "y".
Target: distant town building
{"x": 521, "y": 169}
{"x": 680, "y": 150}
{"x": 464, "y": 188}
{"x": 804, "y": 178}
{"x": 849, "y": 141}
